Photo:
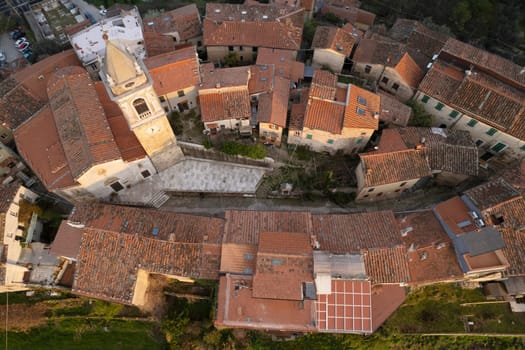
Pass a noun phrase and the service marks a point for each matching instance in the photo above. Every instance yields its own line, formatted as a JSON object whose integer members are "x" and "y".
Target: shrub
{"x": 251, "y": 151}
{"x": 175, "y": 120}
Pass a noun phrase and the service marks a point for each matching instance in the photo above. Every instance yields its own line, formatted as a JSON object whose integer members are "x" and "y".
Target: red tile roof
{"x": 238, "y": 258}
{"x": 80, "y": 119}
{"x": 298, "y": 110}
{"x": 213, "y": 78}
{"x": 350, "y": 233}
{"x": 393, "y": 111}
{"x": 173, "y": 71}
{"x": 108, "y": 262}
{"x": 333, "y": 38}
{"x": 387, "y": 265}
{"x": 238, "y": 308}
{"x": 67, "y": 241}
{"x": 491, "y": 194}
{"x": 369, "y": 117}
{"x": 245, "y": 226}
{"x": 158, "y": 44}
{"x": 8, "y": 194}
{"x": 385, "y": 168}
{"x": 163, "y": 225}
{"x": 273, "y": 106}
{"x": 324, "y": 115}
{"x": 224, "y": 105}
{"x": 285, "y": 64}
{"x": 351, "y": 14}
{"x": 261, "y": 78}
{"x": 44, "y": 154}
{"x": 234, "y": 25}
{"x": 385, "y": 300}
{"x": 127, "y": 142}
{"x": 324, "y": 85}
{"x": 409, "y": 71}
{"x": 455, "y": 213}
{"x": 184, "y": 21}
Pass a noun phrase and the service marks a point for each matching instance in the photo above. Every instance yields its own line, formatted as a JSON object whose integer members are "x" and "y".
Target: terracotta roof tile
{"x": 127, "y": 142}
{"x": 324, "y": 115}
{"x": 441, "y": 81}
{"x": 81, "y": 123}
{"x": 514, "y": 252}
{"x": 409, "y": 71}
{"x": 238, "y": 258}
{"x": 493, "y": 64}
{"x": 231, "y": 24}
{"x": 285, "y": 64}
{"x": 387, "y": 265}
{"x": 351, "y": 14}
{"x": 273, "y": 106}
{"x": 324, "y": 85}
{"x": 362, "y": 115}
{"x": 390, "y": 141}
{"x": 108, "y": 263}
{"x": 17, "y": 104}
{"x": 8, "y": 194}
{"x": 393, "y": 111}
{"x": 184, "y": 21}
{"x": 491, "y": 194}
{"x": 245, "y": 226}
{"x": 163, "y": 225}
{"x": 385, "y": 168}
{"x": 224, "y": 77}
{"x": 298, "y": 110}
{"x": 158, "y": 44}
{"x": 261, "y": 78}
{"x": 173, "y": 71}
{"x": 229, "y": 104}
{"x": 333, "y": 38}
{"x": 67, "y": 241}
{"x": 350, "y": 233}
{"x": 379, "y": 50}
{"x": 284, "y": 263}
{"x": 447, "y": 150}
{"x": 44, "y": 154}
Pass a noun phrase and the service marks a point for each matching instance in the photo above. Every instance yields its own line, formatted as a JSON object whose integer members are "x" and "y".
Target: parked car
{"x": 17, "y": 34}
{"x": 21, "y": 41}
{"x": 28, "y": 53}
{"x": 3, "y": 58}
{"x": 102, "y": 11}
{"x": 24, "y": 46}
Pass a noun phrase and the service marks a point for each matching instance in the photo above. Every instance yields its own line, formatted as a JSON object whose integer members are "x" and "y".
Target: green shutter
{"x": 425, "y": 99}
{"x": 522, "y": 148}
{"x": 359, "y": 141}
{"x": 498, "y": 147}
{"x": 330, "y": 141}
{"x": 472, "y": 122}
{"x": 491, "y": 131}
{"x": 439, "y": 106}
{"x": 309, "y": 136}
{"x": 453, "y": 114}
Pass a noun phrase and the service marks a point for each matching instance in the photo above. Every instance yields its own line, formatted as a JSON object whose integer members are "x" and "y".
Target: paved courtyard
{"x": 196, "y": 175}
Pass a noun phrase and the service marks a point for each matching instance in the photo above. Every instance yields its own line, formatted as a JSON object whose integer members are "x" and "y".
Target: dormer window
{"x": 360, "y": 111}
{"x": 361, "y": 100}
{"x": 142, "y": 108}
{"x": 129, "y": 85}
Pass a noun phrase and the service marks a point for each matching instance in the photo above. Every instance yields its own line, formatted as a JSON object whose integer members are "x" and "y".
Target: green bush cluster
{"x": 256, "y": 151}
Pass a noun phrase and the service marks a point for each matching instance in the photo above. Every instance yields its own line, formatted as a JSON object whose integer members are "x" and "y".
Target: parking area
{"x": 8, "y": 46}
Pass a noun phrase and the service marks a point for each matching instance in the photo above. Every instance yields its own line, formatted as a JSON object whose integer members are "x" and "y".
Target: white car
{"x": 102, "y": 11}
{"x": 20, "y": 42}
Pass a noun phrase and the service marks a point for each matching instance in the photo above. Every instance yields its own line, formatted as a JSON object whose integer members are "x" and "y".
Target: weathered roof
{"x": 67, "y": 241}
{"x": 333, "y": 38}
{"x": 285, "y": 64}
{"x": 350, "y": 13}
{"x": 363, "y": 109}
{"x": 245, "y": 226}
{"x": 8, "y": 194}
{"x": 213, "y": 78}
{"x": 486, "y": 240}
{"x": 385, "y": 168}
{"x": 173, "y": 71}
{"x": 108, "y": 262}
{"x": 224, "y": 105}
{"x": 184, "y": 22}
{"x": 491, "y": 194}
{"x": 81, "y": 123}
{"x": 158, "y": 44}
{"x": 44, "y": 154}
{"x": 393, "y": 111}
{"x": 347, "y": 266}
{"x": 324, "y": 115}
{"x": 349, "y": 233}
{"x": 232, "y": 24}
{"x": 273, "y": 106}
{"x": 387, "y": 265}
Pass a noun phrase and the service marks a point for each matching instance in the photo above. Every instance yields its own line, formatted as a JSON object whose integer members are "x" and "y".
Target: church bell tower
{"x": 131, "y": 87}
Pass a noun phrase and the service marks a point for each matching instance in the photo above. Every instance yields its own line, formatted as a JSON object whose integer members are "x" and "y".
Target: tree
{"x": 420, "y": 117}
{"x": 231, "y": 60}
{"x": 309, "y": 28}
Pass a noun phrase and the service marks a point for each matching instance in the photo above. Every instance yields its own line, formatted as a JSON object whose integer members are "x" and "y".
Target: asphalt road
{"x": 8, "y": 46}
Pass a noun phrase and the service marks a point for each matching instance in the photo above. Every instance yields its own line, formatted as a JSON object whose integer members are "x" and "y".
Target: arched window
{"x": 141, "y": 107}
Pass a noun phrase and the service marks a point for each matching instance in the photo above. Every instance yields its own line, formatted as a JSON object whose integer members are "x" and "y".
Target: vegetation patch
{"x": 256, "y": 151}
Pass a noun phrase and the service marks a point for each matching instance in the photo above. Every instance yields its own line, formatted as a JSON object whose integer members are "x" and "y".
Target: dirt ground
{"x": 155, "y": 301}
{"x": 21, "y": 317}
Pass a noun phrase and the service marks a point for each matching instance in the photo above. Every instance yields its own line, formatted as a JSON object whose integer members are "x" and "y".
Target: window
{"x": 230, "y": 48}
{"x": 3, "y": 136}
{"x": 395, "y": 86}
{"x": 183, "y": 106}
{"x": 180, "y": 93}
{"x": 425, "y": 99}
{"x": 368, "y": 69}
{"x": 522, "y": 148}
{"x": 384, "y": 80}
{"x": 371, "y": 189}
{"x": 472, "y": 122}
{"x": 360, "y": 111}
{"x": 145, "y": 173}
{"x": 162, "y": 99}
{"x": 330, "y": 141}
{"x": 361, "y": 100}
{"x": 453, "y": 114}
{"x": 380, "y": 194}
{"x": 498, "y": 147}
{"x": 491, "y": 131}
{"x": 241, "y": 48}
{"x": 298, "y": 133}
{"x": 241, "y": 58}
{"x": 141, "y": 107}
{"x": 365, "y": 196}
{"x": 309, "y": 136}
{"x": 402, "y": 184}
{"x": 359, "y": 141}
{"x": 479, "y": 142}
{"x": 199, "y": 43}
{"x": 254, "y": 49}
{"x": 439, "y": 106}
{"x": 116, "y": 186}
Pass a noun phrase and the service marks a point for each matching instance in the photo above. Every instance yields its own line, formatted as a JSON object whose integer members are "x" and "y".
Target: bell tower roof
{"x": 122, "y": 70}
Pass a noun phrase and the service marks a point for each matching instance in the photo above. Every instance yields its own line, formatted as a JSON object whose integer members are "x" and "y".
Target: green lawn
{"x": 86, "y": 334}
